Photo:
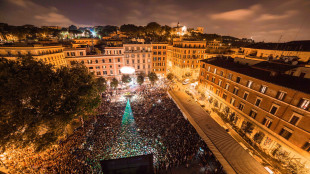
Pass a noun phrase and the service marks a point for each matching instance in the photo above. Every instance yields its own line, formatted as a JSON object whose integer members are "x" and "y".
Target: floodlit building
{"x": 179, "y": 30}
{"x": 87, "y": 41}
{"x": 106, "y": 65}
{"x": 49, "y": 54}
{"x": 185, "y": 56}
{"x": 275, "y": 105}
{"x": 159, "y": 60}
{"x": 139, "y": 57}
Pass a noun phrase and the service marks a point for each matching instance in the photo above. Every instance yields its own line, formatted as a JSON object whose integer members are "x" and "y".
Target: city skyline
{"x": 260, "y": 20}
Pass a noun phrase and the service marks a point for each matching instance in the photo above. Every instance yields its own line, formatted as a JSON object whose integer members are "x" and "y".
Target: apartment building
{"x": 185, "y": 58}
{"x": 74, "y": 52}
{"x": 159, "y": 60}
{"x": 138, "y": 56}
{"x": 106, "y": 65}
{"x": 49, "y": 54}
{"x": 277, "y": 105}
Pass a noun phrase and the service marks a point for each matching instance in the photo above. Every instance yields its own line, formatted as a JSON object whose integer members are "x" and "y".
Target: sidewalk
{"x": 228, "y": 151}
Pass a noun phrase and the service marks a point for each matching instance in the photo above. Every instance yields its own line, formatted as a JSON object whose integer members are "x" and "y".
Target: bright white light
{"x": 127, "y": 70}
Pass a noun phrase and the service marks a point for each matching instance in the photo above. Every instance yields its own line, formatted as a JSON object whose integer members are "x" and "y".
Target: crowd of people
{"x": 157, "y": 127}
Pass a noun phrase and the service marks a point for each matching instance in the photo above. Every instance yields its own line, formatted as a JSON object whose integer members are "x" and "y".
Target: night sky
{"x": 258, "y": 19}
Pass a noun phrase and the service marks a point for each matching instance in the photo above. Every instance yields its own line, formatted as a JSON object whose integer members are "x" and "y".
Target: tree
{"x": 247, "y": 127}
{"x": 170, "y": 76}
{"x": 258, "y": 137}
{"x": 153, "y": 28}
{"x": 153, "y": 77}
{"x": 126, "y": 79}
{"x": 114, "y": 83}
{"x": 140, "y": 79}
{"x": 38, "y": 101}
{"x": 101, "y": 84}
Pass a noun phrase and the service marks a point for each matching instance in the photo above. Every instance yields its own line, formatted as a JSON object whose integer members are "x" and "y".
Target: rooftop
{"x": 288, "y": 46}
{"x": 260, "y": 72}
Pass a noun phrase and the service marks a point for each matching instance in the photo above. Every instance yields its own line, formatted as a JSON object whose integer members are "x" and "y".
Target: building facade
{"x": 276, "y": 106}
{"x": 106, "y": 65}
{"x": 139, "y": 56}
{"x": 49, "y": 54}
{"x": 159, "y": 60}
{"x": 185, "y": 58}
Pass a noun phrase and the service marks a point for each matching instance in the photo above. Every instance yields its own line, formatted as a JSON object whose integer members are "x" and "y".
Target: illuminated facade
{"x": 107, "y": 65}
{"x": 277, "y": 106}
{"x": 179, "y": 30}
{"x": 139, "y": 57}
{"x": 49, "y": 54}
{"x": 185, "y": 56}
{"x": 159, "y": 60}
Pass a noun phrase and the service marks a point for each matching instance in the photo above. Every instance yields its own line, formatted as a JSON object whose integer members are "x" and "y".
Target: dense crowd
{"x": 158, "y": 127}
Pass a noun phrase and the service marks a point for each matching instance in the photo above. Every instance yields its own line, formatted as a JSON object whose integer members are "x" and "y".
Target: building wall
{"x": 185, "y": 58}
{"x": 88, "y": 41}
{"x": 75, "y": 52}
{"x": 106, "y": 66}
{"x": 303, "y": 55}
{"x": 138, "y": 56}
{"x": 159, "y": 59}
{"x": 49, "y": 54}
{"x": 209, "y": 83}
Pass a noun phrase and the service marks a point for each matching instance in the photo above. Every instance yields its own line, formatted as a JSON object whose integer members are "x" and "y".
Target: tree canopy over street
{"x": 153, "y": 77}
{"x": 37, "y": 102}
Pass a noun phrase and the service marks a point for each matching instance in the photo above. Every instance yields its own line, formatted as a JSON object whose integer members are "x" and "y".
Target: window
{"x": 221, "y": 73}
{"x": 245, "y": 95}
{"x": 110, "y": 60}
{"x": 97, "y": 67}
{"x": 213, "y": 79}
{"x": 154, "y": 47}
{"x": 211, "y": 88}
{"x": 209, "y": 68}
{"x": 111, "y": 66}
{"x": 236, "y": 89}
{"x": 118, "y": 60}
{"x": 241, "y": 106}
{"x": 267, "y": 122}
{"x": 104, "y": 67}
{"x": 91, "y": 67}
{"x": 281, "y": 95}
{"x": 306, "y": 146}
{"x": 258, "y": 101}
{"x": 217, "y": 92}
{"x": 89, "y": 61}
{"x": 304, "y": 104}
{"x": 111, "y": 71}
{"x": 286, "y": 133}
{"x": 238, "y": 79}
{"x": 274, "y": 109}
{"x": 253, "y": 113}
{"x": 229, "y": 76}
{"x": 220, "y": 82}
{"x": 249, "y": 84}
{"x": 263, "y": 89}
{"x": 214, "y": 71}
{"x": 105, "y": 72}
{"x": 232, "y": 101}
{"x": 224, "y": 96}
{"x": 207, "y": 77}
{"x": 227, "y": 86}
{"x": 295, "y": 119}
{"x": 98, "y": 73}
{"x": 102, "y": 60}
